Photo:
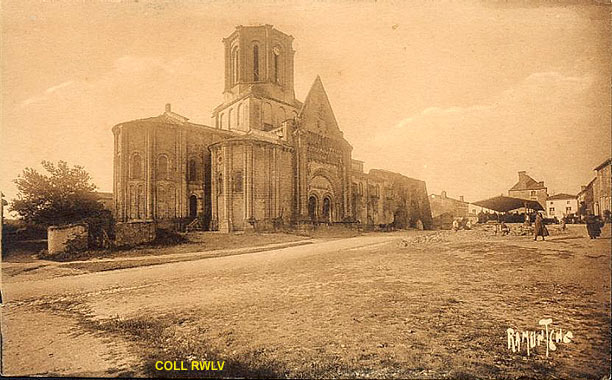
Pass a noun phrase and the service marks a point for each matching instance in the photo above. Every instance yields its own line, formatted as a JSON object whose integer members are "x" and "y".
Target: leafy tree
{"x": 62, "y": 195}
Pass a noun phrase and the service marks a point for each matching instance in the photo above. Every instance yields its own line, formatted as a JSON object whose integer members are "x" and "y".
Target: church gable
{"x": 317, "y": 115}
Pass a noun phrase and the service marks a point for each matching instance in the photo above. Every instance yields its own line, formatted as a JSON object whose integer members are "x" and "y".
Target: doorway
{"x": 193, "y": 206}
{"x": 312, "y": 208}
{"x": 327, "y": 209}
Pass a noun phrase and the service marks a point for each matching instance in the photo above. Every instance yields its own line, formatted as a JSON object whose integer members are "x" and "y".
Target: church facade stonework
{"x": 269, "y": 158}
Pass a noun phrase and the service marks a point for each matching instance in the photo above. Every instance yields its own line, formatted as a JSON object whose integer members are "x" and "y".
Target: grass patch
{"x": 173, "y": 338}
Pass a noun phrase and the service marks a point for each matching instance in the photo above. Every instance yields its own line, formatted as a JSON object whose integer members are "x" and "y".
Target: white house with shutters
{"x": 561, "y": 205}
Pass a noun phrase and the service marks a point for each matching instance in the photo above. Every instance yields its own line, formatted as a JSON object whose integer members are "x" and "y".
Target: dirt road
{"x": 411, "y": 304}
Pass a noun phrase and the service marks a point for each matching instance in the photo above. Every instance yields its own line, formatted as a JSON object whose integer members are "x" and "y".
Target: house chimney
{"x": 582, "y": 188}
{"x": 522, "y": 174}
{"x": 168, "y": 107}
{"x": 461, "y": 198}
{"x": 443, "y": 194}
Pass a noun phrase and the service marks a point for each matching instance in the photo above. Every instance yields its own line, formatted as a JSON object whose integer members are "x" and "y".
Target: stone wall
{"x": 66, "y": 238}
{"x": 134, "y": 233}
{"x": 383, "y": 198}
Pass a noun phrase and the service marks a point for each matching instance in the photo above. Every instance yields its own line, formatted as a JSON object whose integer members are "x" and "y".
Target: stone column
{"x": 225, "y": 225}
{"x": 183, "y": 196}
{"x": 276, "y": 183}
{"x": 150, "y": 176}
{"x": 214, "y": 214}
{"x": 121, "y": 177}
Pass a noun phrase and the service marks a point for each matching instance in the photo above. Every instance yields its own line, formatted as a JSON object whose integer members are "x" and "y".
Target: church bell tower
{"x": 260, "y": 57}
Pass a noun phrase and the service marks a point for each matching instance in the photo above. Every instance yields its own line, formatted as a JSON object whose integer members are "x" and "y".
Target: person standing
{"x": 563, "y": 223}
{"x": 540, "y": 228}
{"x": 593, "y": 226}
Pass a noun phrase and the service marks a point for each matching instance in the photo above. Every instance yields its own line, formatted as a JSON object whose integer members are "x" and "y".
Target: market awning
{"x": 504, "y": 204}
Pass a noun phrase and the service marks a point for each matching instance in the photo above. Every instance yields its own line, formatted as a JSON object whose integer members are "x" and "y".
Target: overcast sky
{"x": 462, "y": 95}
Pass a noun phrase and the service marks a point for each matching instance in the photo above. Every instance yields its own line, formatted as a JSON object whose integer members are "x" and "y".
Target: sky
{"x": 460, "y": 94}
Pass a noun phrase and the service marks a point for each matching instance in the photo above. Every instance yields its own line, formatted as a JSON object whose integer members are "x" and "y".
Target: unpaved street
{"x": 405, "y": 304}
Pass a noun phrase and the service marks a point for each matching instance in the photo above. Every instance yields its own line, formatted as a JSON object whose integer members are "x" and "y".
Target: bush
{"x": 165, "y": 236}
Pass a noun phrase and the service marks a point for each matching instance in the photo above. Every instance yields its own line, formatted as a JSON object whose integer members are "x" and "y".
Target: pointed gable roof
{"x": 526, "y": 183}
{"x": 316, "y": 113}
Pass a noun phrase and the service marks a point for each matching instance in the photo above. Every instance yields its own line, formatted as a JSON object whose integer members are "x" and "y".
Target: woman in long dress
{"x": 593, "y": 226}
{"x": 540, "y": 228}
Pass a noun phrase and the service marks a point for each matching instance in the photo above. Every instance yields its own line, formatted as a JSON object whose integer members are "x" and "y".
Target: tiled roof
{"x": 527, "y": 183}
{"x": 561, "y": 196}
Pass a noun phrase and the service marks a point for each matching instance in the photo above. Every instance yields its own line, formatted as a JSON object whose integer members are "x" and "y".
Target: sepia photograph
{"x": 306, "y": 189}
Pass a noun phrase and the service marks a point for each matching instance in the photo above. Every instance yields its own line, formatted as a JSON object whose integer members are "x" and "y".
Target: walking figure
{"x": 540, "y": 228}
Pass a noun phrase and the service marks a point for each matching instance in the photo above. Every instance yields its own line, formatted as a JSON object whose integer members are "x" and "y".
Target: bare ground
{"x": 403, "y": 305}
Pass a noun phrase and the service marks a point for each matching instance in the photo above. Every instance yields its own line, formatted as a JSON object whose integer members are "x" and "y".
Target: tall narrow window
{"x": 276, "y": 80}
{"x": 238, "y": 181}
{"x": 136, "y": 167}
{"x": 230, "y": 117}
{"x": 239, "y": 115}
{"x": 256, "y": 63}
{"x": 162, "y": 167}
{"x": 192, "y": 170}
{"x": 236, "y": 68}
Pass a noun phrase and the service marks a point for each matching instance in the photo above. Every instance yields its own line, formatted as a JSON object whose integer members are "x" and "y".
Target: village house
{"x": 529, "y": 188}
{"x": 442, "y": 204}
{"x": 601, "y": 188}
{"x": 586, "y": 199}
{"x": 561, "y": 205}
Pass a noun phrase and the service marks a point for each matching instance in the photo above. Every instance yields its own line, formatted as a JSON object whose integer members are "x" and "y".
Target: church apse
{"x": 268, "y": 158}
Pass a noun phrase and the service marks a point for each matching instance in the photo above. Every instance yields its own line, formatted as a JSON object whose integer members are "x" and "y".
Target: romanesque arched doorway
{"x": 327, "y": 209}
{"x": 193, "y": 206}
{"x": 312, "y": 208}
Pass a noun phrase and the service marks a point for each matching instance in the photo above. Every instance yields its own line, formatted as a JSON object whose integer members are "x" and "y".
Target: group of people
{"x": 464, "y": 223}
{"x": 593, "y": 225}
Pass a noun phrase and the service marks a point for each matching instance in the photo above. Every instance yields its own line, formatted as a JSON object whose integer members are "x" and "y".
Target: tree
{"x": 64, "y": 195}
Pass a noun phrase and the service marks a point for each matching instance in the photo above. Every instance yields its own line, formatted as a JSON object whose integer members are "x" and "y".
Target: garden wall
{"x": 72, "y": 237}
{"x": 134, "y": 233}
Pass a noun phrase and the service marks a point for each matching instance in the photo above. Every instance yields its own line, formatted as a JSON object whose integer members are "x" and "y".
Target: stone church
{"x": 268, "y": 158}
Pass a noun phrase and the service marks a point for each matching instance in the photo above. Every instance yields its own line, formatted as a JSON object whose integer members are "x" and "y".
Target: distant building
{"x": 561, "y": 205}
{"x": 601, "y": 188}
{"x": 586, "y": 199}
{"x": 529, "y": 188}
{"x": 106, "y": 199}
{"x": 442, "y": 204}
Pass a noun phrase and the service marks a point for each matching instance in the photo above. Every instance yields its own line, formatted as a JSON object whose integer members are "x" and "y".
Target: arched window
{"x": 238, "y": 181}
{"x": 221, "y": 121}
{"x": 136, "y": 167}
{"x": 239, "y": 115}
{"x": 162, "y": 167}
{"x": 276, "y": 55}
{"x": 192, "y": 170}
{"x": 230, "y": 118}
{"x": 255, "y": 63}
{"x": 236, "y": 66}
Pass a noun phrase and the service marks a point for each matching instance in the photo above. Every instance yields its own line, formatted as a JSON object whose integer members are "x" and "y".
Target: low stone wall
{"x": 73, "y": 237}
{"x": 134, "y": 233}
